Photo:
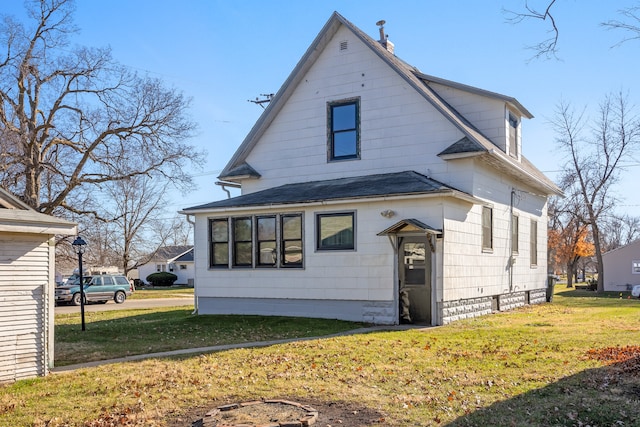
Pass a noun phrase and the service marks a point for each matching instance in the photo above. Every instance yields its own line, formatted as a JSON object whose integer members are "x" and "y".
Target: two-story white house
{"x": 373, "y": 192}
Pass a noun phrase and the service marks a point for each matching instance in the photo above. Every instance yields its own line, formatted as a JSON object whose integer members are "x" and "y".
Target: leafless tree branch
{"x": 631, "y": 25}
{"x": 547, "y": 48}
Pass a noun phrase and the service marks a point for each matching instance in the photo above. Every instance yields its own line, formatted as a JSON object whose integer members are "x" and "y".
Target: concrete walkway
{"x": 200, "y": 350}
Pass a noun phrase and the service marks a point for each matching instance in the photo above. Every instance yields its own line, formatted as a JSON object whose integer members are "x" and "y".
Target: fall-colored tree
{"x": 568, "y": 245}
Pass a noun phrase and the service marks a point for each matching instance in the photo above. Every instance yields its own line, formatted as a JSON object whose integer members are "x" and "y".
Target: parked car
{"x": 635, "y": 291}
{"x": 100, "y": 288}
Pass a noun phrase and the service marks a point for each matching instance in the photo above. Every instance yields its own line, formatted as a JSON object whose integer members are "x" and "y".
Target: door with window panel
{"x": 414, "y": 267}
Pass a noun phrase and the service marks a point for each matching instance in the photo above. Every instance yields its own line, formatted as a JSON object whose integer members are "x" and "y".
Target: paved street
{"x": 128, "y": 305}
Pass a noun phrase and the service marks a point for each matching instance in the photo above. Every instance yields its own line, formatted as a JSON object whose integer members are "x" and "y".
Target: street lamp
{"x": 79, "y": 245}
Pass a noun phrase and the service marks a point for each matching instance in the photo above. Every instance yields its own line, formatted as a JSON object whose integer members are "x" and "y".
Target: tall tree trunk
{"x": 600, "y": 267}
{"x": 569, "y": 274}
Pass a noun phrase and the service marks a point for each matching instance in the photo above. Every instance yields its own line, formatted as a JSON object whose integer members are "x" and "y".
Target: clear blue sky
{"x": 223, "y": 53}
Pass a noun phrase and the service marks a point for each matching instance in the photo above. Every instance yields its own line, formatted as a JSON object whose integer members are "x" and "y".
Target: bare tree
{"x": 549, "y": 47}
{"x": 594, "y": 158}
{"x": 630, "y": 23}
{"x": 620, "y": 230}
{"x": 73, "y": 118}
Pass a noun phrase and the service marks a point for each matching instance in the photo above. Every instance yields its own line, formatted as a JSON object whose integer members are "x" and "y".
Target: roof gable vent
{"x": 344, "y": 45}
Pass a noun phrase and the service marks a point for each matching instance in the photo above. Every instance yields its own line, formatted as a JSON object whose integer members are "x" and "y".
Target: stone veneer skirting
{"x": 376, "y": 312}
{"x": 475, "y": 307}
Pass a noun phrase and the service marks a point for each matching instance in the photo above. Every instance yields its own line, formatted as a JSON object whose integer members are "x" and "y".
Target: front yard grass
{"x": 570, "y": 363}
{"x": 162, "y": 292}
{"x": 121, "y": 333}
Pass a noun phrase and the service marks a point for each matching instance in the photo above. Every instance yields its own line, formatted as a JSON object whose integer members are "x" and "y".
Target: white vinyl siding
{"x": 24, "y": 306}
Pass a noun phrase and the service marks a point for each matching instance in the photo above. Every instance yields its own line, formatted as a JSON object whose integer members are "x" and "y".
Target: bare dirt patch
{"x": 329, "y": 414}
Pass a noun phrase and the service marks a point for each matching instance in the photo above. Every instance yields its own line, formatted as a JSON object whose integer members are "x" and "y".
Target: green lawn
{"x": 162, "y": 292}
{"x": 559, "y": 364}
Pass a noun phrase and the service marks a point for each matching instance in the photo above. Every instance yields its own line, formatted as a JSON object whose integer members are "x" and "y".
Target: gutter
{"x": 449, "y": 193}
{"x": 225, "y": 184}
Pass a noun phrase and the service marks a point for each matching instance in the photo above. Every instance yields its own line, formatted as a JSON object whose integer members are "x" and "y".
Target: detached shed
{"x": 27, "y": 282}
{"x": 622, "y": 266}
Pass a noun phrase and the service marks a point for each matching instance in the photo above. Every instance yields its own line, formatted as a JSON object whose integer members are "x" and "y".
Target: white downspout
{"x": 195, "y": 288}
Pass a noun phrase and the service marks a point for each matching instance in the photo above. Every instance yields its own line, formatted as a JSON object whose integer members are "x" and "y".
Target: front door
{"x": 414, "y": 266}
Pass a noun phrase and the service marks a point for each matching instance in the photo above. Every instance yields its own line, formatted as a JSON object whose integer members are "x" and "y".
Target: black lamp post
{"x": 79, "y": 245}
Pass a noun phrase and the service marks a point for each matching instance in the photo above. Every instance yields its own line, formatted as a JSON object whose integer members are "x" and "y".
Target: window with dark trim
{"x": 515, "y": 230}
{"x": 266, "y": 243}
{"x": 335, "y": 231}
{"x": 487, "y": 228}
{"x": 291, "y": 241}
{"x": 219, "y": 238}
{"x": 513, "y": 135}
{"x": 344, "y": 129}
{"x": 534, "y": 242}
{"x": 276, "y": 242}
{"x": 242, "y": 242}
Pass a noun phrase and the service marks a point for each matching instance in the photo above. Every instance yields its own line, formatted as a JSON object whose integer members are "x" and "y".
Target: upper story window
{"x": 487, "y": 228}
{"x": 635, "y": 266}
{"x": 513, "y": 135}
{"x": 344, "y": 129}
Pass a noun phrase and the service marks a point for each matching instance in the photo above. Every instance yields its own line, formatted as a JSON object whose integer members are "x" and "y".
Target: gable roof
{"x": 369, "y": 186}
{"x": 16, "y": 216}
{"x": 419, "y": 81}
{"x": 170, "y": 253}
{"x": 632, "y": 247}
{"x": 185, "y": 257}
{"x": 411, "y": 225}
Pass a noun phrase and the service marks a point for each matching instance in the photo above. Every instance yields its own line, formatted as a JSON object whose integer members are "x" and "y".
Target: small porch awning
{"x": 411, "y": 225}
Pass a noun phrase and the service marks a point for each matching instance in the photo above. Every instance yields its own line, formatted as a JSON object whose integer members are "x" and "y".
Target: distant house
{"x": 173, "y": 259}
{"x": 622, "y": 267}
{"x": 373, "y": 192}
{"x": 27, "y": 283}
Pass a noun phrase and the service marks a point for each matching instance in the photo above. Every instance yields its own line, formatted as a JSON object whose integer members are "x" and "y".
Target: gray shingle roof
{"x": 389, "y": 184}
{"x": 419, "y": 81}
{"x": 165, "y": 253}
{"x": 464, "y": 145}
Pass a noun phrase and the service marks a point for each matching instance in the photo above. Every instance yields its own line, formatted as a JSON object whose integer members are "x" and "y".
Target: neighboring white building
{"x": 622, "y": 267}
{"x": 27, "y": 284}
{"x": 173, "y": 259}
{"x": 366, "y": 179}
